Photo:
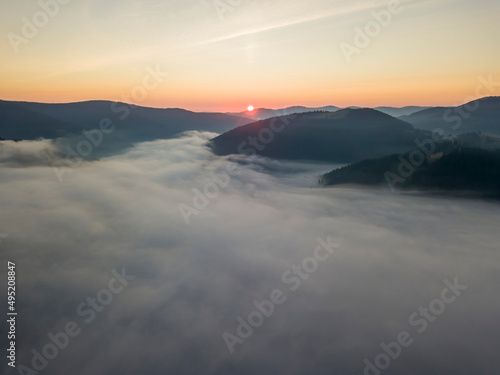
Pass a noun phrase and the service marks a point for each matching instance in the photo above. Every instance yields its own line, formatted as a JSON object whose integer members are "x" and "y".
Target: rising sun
{"x": 250, "y": 108}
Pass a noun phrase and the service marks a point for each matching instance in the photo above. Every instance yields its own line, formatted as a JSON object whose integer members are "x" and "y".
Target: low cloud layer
{"x": 192, "y": 282}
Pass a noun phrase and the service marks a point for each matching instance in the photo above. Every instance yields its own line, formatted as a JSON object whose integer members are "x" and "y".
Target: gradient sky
{"x": 266, "y": 53}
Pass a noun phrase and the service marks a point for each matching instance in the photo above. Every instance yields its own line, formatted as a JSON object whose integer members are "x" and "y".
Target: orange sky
{"x": 269, "y": 54}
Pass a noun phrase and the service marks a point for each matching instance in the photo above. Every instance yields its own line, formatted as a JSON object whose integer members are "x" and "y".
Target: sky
{"x": 214, "y": 56}
{"x": 190, "y": 283}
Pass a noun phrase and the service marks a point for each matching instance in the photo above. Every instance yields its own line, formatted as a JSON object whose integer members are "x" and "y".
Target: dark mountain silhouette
{"x": 24, "y": 120}
{"x": 482, "y": 115}
{"x": 19, "y": 122}
{"x": 344, "y": 136}
{"x": 398, "y": 112}
{"x": 463, "y": 169}
{"x": 132, "y": 124}
{"x": 469, "y": 162}
{"x": 477, "y": 140}
{"x": 264, "y": 113}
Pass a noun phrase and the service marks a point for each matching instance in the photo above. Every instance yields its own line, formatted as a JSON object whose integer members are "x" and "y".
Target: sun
{"x": 250, "y": 108}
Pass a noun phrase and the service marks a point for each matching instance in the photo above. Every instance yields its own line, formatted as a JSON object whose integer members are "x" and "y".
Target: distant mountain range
{"x": 324, "y": 134}
{"x": 23, "y": 120}
{"x": 482, "y": 115}
{"x": 380, "y": 146}
{"x": 132, "y": 124}
{"x": 479, "y": 115}
{"x": 346, "y": 135}
{"x": 398, "y": 112}
{"x": 264, "y": 113}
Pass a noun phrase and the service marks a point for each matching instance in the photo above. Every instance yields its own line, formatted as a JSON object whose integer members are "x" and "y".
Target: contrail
{"x": 287, "y": 23}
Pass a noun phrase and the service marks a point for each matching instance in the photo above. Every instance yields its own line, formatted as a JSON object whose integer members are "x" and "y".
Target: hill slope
{"x": 22, "y": 120}
{"x": 264, "y": 113}
{"x": 453, "y": 167}
{"x": 344, "y": 136}
{"x": 482, "y": 115}
{"x": 19, "y": 122}
{"x": 398, "y": 112}
{"x": 131, "y": 124}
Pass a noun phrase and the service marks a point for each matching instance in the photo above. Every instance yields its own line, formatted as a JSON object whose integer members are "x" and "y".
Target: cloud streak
{"x": 294, "y": 21}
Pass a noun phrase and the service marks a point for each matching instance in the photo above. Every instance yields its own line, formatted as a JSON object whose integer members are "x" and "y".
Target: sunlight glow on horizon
{"x": 281, "y": 53}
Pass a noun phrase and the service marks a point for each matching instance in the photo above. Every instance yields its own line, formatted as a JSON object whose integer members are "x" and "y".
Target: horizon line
{"x": 256, "y": 109}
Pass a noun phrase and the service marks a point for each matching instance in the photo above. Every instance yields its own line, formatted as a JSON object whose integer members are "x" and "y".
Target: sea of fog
{"x": 126, "y": 266}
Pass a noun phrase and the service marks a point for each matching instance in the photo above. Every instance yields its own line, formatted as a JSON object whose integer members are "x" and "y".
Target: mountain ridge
{"x": 478, "y": 115}
{"x": 343, "y": 136}
{"x": 468, "y": 162}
